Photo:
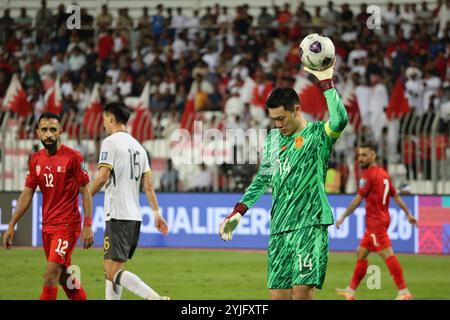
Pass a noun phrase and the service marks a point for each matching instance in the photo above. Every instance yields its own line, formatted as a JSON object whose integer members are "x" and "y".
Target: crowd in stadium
{"x": 209, "y": 56}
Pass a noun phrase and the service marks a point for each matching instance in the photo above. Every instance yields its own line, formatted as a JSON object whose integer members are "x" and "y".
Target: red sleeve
{"x": 80, "y": 171}
{"x": 392, "y": 190}
{"x": 32, "y": 179}
{"x": 364, "y": 185}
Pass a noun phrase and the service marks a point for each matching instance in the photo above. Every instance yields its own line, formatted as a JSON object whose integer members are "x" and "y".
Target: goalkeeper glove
{"x": 231, "y": 221}
{"x": 325, "y": 77}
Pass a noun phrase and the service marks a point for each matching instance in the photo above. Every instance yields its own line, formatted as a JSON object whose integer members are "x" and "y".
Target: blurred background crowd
{"x": 218, "y": 64}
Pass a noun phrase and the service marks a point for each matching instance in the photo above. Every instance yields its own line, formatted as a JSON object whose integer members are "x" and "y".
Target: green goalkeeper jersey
{"x": 295, "y": 168}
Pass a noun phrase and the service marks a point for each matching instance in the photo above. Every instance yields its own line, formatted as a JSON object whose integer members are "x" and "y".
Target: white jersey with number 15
{"x": 128, "y": 162}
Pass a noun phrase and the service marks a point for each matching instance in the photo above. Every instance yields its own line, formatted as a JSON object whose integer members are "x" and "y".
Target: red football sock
{"x": 359, "y": 273}
{"x": 75, "y": 294}
{"x": 396, "y": 272}
{"x": 49, "y": 293}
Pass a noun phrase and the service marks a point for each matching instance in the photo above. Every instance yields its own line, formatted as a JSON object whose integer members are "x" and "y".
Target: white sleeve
{"x": 107, "y": 154}
{"x": 147, "y": 169}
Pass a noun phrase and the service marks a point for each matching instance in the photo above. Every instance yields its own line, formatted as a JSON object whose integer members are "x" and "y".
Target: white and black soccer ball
{"x": 317, "y": 52}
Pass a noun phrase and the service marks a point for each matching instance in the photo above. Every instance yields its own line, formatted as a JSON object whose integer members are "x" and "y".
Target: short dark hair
{"x": 119, "y": 110}
{"x": 370, "y": 146}
{"x": 48, "y": 115}
{"x": 283, "y": 97}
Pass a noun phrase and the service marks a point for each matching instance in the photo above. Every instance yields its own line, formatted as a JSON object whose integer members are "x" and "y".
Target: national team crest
{"x": 61, "y": 169}
{"x": 298, "y": 142}
{"x": 362, "y": 182}
{"x": 104, "y": 156}
{"x": 38, "y": 170}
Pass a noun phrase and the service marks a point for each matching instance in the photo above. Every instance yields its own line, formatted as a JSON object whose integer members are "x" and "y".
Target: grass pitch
{"x": 187, "y": 274}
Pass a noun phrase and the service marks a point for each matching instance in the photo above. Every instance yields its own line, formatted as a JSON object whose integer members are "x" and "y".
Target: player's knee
{"x": 301, "y": 293}
{"x": 51, "y": 278}
{"x": 109, "y": 272}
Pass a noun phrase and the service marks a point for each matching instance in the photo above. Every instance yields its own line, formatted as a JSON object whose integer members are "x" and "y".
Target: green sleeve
{"x": 261, "y": 182}
{"x": 338, "y": 114}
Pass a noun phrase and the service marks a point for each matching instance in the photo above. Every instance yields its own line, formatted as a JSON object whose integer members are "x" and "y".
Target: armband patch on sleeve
{"x": 330, "y": 132}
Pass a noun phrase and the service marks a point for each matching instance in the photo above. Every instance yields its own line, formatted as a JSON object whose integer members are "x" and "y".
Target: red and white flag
{"x": 142, "y": 128}
{"x": 16, "y": 98}
{"x": 93, "y": 117}
{"x": 312, "y": 99}
{"x": 53, "y": 99}
{"x": 398, "y": 103}
{"x": 350, "y": 102}
{"x": 188, "y": 116}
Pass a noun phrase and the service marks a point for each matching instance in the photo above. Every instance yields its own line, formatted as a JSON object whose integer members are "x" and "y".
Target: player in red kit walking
{"x": 376, "y": 187}
{"x": 59, "y": 173}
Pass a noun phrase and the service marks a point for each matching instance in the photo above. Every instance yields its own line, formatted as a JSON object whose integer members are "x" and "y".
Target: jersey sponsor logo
{"x": 38, "y": 170}
{"x": 104, "y": 156}
{"x": 362, "y": 182}
{"x": 298, "y": 142}
{"x": 61, "y": 169}
{"x": 49, "y": 168}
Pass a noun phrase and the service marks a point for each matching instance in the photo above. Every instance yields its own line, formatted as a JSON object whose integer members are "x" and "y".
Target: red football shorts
{"x": 375, "y": 241}
{"x": 59, "y": 245}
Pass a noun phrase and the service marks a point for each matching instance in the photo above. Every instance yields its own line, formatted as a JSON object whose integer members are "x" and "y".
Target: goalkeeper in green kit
{"x": 294, "y": 165}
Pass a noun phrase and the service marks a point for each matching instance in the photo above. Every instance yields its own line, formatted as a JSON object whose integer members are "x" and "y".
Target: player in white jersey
{"x": 123, "y": 166}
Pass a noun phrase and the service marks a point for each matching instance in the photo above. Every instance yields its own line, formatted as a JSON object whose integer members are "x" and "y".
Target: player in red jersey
{"x": 376, "y": 187}
{"x": 60, "y": 175}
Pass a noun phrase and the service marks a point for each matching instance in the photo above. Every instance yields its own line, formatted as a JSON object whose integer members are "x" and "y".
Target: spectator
{"x": 77, "y": 60}
{"x": 203, "y": 182}
{"x": 265, "y": 19}
{"x": 390, "y": 18}
{"x": 331, "y": 18}
{"x": 302, "y": 14}
{"x": 87, "y": 24}
{"x": 43, "y": 21}
{"x": 31, "y": 78}
{"x": 144, "y": 24}
{"x": 7, "y": 25}
{"x": 124, "y": 21}
{"x": 346, "y": 14}
{"x": 317, "y": 21}
{"x": 178, "y": 20}
{"x": 158, "y": 22}
{"x": 224, "y": 19}
{"x": 170, "y": 179}
{"x": 109, "y": 89}
{"x": 23, "y": 21}
{"x": 208, "y": 20}
{"x": 124, "y": 84}
{"x": 60, "y": 18}
{"x": 443, "y": 18}
{"x": 66, "y": 86}
{"x": 407, "y": 19}
{"x": 363, "y": 15}
{"x": 105, "y": 45}
{"x": 104, "y": 19}
{"x": 60, "y": 64}
{"x": 113, "y": 72}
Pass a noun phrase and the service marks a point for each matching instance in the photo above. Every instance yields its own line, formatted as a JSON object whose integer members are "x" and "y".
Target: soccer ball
{"x": 317, "y": 52}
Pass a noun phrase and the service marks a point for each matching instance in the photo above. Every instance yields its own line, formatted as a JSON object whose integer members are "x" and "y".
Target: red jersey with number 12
{"x": 59, "y": 177}
{"x": 376, "y": 187}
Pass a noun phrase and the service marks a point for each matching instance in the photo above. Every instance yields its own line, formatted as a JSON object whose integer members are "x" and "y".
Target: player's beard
{"x": 50, "y": 146}
{"x": 364, "y": 165}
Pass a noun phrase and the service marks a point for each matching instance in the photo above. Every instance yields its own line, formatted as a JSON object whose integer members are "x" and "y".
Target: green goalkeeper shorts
{"x": 298, "y": 257}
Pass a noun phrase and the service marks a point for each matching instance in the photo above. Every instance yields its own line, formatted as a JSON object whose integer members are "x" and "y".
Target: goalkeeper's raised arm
{"x": 338, "y": 114}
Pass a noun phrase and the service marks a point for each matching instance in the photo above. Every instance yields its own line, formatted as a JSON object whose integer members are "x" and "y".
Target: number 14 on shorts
{"x": 304, "y": 262}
